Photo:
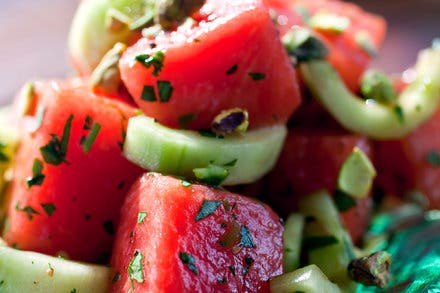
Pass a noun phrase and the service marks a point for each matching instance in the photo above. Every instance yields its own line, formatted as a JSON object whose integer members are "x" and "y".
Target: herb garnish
{"x": 148, "y": 94}
{"x": 165, "y": 90}
{"x": 343, "y": 201}
{"x": 186, "y": 119}
{"x": 141, "y": 217}
{"x": 257, "y": 75}
{"x": 156, "y": 61}
{"x": 30, "y": 211}
{"x": 246, "y": 238}
{"x": 37, "y": 175}
{"x": 232, "y": 70}
{"x": 433, "y": 158}
{"x": 135, "y": 270}
{"x": 3, "y": 156}
{"x": 49, "y": 208}
{"x": 188, "y": 260}
{"x": 231, "y": 163}
{"x": 208, "y": 208}
{"x": 116, "y": 277}
{"x": 400, "y": 114}
{"x": 90, "y": 138}
{"x": 248, "y": 262}
{"x": 54, "y": 153}
{"x": 315, "y": 242}
{"x": 88, "y": 123}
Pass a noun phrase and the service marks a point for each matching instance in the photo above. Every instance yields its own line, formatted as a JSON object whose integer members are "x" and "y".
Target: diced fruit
{"x": 231, "y": 58}
{"x": 247, "y": 157}
{"x": 70, "y": 175}
{"x": 351, "y": 45}
{"x": 25, "y": 271}
{"x": 177, "y": 237}
{"x": 310, "y": 161}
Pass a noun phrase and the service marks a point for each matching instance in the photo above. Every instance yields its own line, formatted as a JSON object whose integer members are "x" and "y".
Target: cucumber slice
{"x": 414, "y": 105}
{"x": 307, "y": 279}
{"x": 247, "y": 157}
{"x": 24, "y": 271}
{"x": 90, "y": 37}
{"x": 292, "y": 238}
{"x": 332, "y": 259}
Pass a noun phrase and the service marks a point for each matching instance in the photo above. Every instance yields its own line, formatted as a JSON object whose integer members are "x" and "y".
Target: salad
{"x": 223, "y": 146}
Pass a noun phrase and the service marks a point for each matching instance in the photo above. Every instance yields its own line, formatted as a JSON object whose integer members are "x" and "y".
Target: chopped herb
{"x": 212, "y": 175}
{"x": 88, "y": 123}
{"x": 433, "y": 158}
{"x": 248, "y": 261}
{"x": 54, "y": 153}
{"x": 165, "y": 90}
{"x": 91, "y": 137}
{"x": 208, "y": 208}
{"x": 315, "y": 242}
{"x": 343, "y": 201}
{"x": 156, "y": 61}
{"x": 232, "y": 269}
{"x": 377, "y": 86}
{"x": 232, "y": 70}
{"x": 3, "y": 156}
{"x": 109, "y": 227}
{"x": 186, "y": 119}
{"x": 49, "y": 208}
{"x": 30, "y": 212}
{"x": 141, "y": 217}
{"x": 73, "y": 290}
{"x": 302, "y": 44}
{"x": 372, "y": 270}
{"x": 135, "y": 269}
{"x": 246, "y": 238}
{"x": 2, "y": 282}
{"x": 37, "y": 175}
{"x": 188, "y": 260}
{"x": 207, "y": 133}
{"x": 257, "y": 75}
{"x": 148, "y": 94}
{"x": 363, "y": 39}
{"x": 400, "y": 114}
{"x": 231, "y": 163}
{"x": 123, "y": 131}
{"x": 116, "y": 277}
{"x": 222, "y": 280}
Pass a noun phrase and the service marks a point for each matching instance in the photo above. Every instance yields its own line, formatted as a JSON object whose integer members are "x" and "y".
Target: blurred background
{"x": 33, "y": 35}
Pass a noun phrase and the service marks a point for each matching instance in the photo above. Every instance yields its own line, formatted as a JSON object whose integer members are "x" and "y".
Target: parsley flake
{"x": 343, "y": 201}
{"x": 49, "y": 208}
{"x": 135, "y": 269}
{"x": 141, "y": 217}
{"x": 165, "y": 90}
{"x": 90, "y": 138}
{"x": 186, "y": 119}
{"x": 208, "y": 208}
{"x": 3, "y": 156}
{"x": 188, "y": 260}
{"x": 248, "y": 262}
{"x": 399, "y": 113}
{"x": 246, "y": 238}
{"x": 315, "y": 242}
{"x": 433, "y": 158}
{"x": 231, "y": 163}
{"x": 155, "y": 61}
{"x": 88, "y": 123}
{"x": 148, "y": 94}
{"x": 116, "y": 277}
{"x": 232, "y": 70}
{"x": 54, "y": 153}
{"x": 37, "y": 175}
{"x": 257, "y": 75}
{"x": 30, "y": 211}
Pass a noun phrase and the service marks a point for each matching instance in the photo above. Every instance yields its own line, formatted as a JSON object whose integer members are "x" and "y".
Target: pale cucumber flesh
{"x": 247, "y": 157}
{"x": 24, "y": 271}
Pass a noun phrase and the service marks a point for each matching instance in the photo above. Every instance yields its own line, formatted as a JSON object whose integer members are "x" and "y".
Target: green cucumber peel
{"x": 90, "y": 37}
{"x": 414, "y": 105}
{"x": 178, "y": 152}
{"x": 307, "y": 279}
{"x": 24, "y": 271}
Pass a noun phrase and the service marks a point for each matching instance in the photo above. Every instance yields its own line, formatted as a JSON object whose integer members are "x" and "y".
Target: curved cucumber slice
{"x": 177, "y": 152}
{"x": 307, "y": 279}
{"x": 24, "y": 271}
{"x": 90, "y": 37}
{"x": 414, "y": 105}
